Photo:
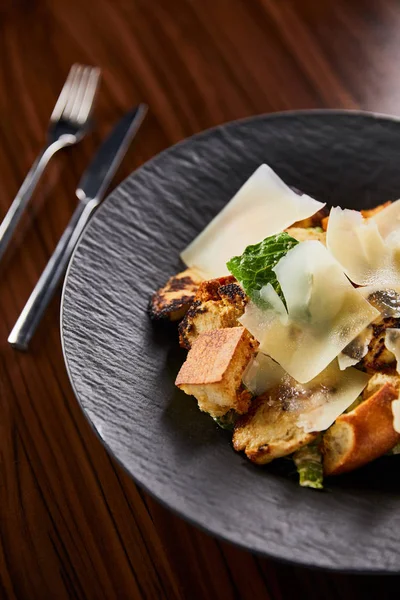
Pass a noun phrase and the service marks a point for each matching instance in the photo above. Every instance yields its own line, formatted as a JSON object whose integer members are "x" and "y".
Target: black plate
{"x": 123, "y": 368}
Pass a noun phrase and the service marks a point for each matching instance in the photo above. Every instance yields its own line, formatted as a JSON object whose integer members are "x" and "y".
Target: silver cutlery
{"x": 90, "y": 192}
{"x": 68, "y": 124}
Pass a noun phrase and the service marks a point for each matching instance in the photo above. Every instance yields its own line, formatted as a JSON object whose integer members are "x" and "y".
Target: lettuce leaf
{"x": 253, "y": 269}
{"x": 228, "y": 420}
{"x": 395, "y": 450}
{"x": 308, "y": 461}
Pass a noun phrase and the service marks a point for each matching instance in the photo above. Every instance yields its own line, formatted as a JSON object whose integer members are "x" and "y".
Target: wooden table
{"x": 72, "y": 522}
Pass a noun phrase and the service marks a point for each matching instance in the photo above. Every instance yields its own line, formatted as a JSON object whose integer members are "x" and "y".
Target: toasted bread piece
{"x": 303, "y": 235}
{"x": 217, "y": 304}
{"x": 324, "y": 223}
{"x": 213, "y": 370}
{"x": 362, "y": 435}
{"x": 371, "y": 212}
{"x": 378, "y": 380}
{"x": 269, "y": 430}
{"x": 173, "y": 300}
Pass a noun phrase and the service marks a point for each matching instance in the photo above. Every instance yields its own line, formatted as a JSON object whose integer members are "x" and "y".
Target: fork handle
{"x": 24, "y": 194}
{"x": 39, "y": 299}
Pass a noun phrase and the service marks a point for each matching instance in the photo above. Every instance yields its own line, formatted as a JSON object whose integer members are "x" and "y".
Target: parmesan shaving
{"x": 356, "y": 350}
{"x": 345, "y": 361}
{"x": 324, "y": 313}
{"x": 386, "y": 300}
{"x": 396, "y": 415}
{"x": 392, "y": 343}
{"x": 263, "y": 206}
{"x": 319, "y": 402}
{"x": 335, "y": 391}
{"x": 388, "y": 219}
{"x": 262, "y": 374}
{"x": 367, "y": 249}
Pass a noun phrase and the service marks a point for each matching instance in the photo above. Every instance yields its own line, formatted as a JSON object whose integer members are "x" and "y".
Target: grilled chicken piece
{"x": 269, "y": 430}
{"x": 172, "y": 301}
{"x": 361, "y": 435}
{"x": 378, "y": 357}
{"x": 217, "y": 304}
{"x": 304, "y": 235}
{"x": 213, "y": 370}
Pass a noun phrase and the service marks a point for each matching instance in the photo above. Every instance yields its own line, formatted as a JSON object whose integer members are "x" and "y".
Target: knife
{"x": 90, "y": 192}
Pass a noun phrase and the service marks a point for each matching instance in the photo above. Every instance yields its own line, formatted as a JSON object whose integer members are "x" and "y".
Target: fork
{"x": 68, "y": 124}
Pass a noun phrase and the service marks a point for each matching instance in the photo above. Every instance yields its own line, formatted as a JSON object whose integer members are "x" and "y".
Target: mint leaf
{"x": 253, "y": 269}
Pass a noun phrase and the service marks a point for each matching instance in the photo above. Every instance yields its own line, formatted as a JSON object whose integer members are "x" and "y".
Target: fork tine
{"x": 80, "y": 93}
{"x": 62, "y": 98}
{"x": 90, "y": 92}
{"x": 66, "y": 114}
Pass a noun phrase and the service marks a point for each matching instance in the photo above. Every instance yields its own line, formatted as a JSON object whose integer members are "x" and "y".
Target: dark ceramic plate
{"x": 123, "y": 368}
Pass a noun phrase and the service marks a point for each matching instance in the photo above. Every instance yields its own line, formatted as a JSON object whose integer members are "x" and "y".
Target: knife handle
{"x": 41, "y": 295}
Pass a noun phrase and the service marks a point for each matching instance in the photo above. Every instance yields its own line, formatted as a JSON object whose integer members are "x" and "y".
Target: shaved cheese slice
{"x": 262, "y": 374}
{"x": 367, "y": 249}
{"x": 356, "y": 350}
{"x": 263, "y": 206}
{"x": 335, "y": 391}
{"x": 271, "y": 298}
{"x": 345, "y": 361}
{"x": 388, "y": 219}
{"x": 392, "y": 343}
{"x": 324, "y": 313}
{"x": 396, "y": 415}
{"x": 258, "y": 320}
{"x": 319, "y": 402}
{"x": 385, "y": 299}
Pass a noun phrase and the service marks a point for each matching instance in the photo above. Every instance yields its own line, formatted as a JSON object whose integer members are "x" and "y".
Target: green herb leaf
{"x": 253, "y": 269}
{"x": 228, "y": 420}
{"x": 356, "y": 403}
{"x": 308, "y": 461}
{"x": 395, "y": 450}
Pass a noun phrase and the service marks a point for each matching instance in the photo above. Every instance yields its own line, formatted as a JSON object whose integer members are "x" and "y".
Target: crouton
{"x": 172, "y": 301}
{"x": 378, "y": 380}
{"x": 303, "y": 235}
{"x": 217, "y": 304}
{"x": 362, "y": 435}
{"x": 213, "y": 370}
{"x": 269, "y": 430}
{"x": 371, "y": 212}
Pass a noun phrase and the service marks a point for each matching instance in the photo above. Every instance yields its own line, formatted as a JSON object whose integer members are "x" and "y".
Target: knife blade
{"x": 90, "y": 191}
{"x": 101, "y": 170}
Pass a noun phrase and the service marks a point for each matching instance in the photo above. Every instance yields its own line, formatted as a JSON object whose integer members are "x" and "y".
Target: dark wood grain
{"x": 72, "y": 523}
